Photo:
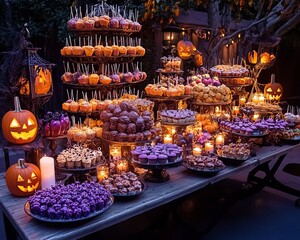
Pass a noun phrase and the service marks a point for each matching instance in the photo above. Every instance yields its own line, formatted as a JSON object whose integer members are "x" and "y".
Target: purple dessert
{"x": 162, "y": 158}
{"x": 172, "y": 157}
{"x": 152, "y": 159}
{"x": 143, "y": 158}
{"x": 135, "y": 154}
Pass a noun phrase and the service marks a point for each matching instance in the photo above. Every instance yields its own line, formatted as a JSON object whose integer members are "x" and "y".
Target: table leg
{"x": 9, "y": 231}
{"x": 269, "y": 179}
{"x": 6, "y": 157}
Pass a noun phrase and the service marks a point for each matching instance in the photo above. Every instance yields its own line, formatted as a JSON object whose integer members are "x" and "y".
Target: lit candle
{"x": 219, "y": 139}
{"x": 47, "y": 172}
{"x": 209, "y": 147}
{"x": 218, "y": 111}
{"x": 236, "y": 110}
{"x": 173, "y": 131}
{"x": 255, "y": 116}
{"x": 122, "y": 166}
{"x": 261, "y": 98}
{"x": 197, "y": 151}
{"x": 102, "y": 173}
{"x": 242, "y": 101}
{"x": 255, "y": 98}
{"x": 115, "y": 152}
{"x": 168, "y": 139}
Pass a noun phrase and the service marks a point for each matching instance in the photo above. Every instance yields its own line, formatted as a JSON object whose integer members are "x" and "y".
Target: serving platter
{"x": 203, "y": 171}
{"x": 45, "y": 219}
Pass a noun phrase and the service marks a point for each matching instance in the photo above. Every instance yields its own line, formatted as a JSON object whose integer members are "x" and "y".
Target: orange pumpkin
{"x": 252, "y": 57}
{"x": 185, "y": 49}
{"x": 43, "y": 80}
{"x": 19, "y": 126}
{"x": 273, "y": 91}
{"x": 22, "y": 179}
{"x": 198, "y": 59}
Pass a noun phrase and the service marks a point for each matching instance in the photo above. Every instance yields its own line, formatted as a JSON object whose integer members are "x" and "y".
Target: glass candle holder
{"x": 122, "y": 166}
{"x": 219, "y": 140}
{"x": 168, "y": 139}
{"x": 115, "y": 152}
{"x": 197, "y": 150}
{"x": 102, "y": 172}
{"x": 209, "y": 147}
{"x": 242, "y": 101}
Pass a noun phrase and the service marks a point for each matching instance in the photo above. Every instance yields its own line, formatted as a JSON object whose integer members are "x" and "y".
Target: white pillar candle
{"x": 168, "y": 139}
{"x": 47, "y": 172}
{"x": 219, "y": 139}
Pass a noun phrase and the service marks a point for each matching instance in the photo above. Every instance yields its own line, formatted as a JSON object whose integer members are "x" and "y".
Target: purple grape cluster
{"x": 73, "y": 201}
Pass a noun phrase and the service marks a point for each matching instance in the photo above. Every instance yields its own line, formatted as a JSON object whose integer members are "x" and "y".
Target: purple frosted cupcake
{"x": 172, "y": 157}
{"x": 135, "y": 154}
{"x": 162, "y": 159}
{"x": 143, "y": 158}
{"x": 152, "y": 159}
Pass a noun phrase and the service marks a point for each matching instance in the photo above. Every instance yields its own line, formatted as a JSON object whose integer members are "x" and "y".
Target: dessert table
{"x": 182, "y": 182}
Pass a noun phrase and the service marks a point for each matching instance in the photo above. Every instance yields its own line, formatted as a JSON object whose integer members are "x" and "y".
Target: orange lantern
{"x": 265, "y": 57}
{"x": 198, "y": 59}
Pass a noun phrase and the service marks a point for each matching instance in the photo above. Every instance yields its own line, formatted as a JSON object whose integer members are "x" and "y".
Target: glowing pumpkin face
{"x": 185, "y": 49}
{"x": 22, "y": 179}
{"x": 273, "y": 91}
{"x": 266, "y": 57}
{"x": 19, "y": 126}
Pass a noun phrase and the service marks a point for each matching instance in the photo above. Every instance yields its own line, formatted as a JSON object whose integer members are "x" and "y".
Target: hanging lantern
{"x": 273, "y": 91}
{"x": 198, "y": 59}
{"x": 19, "y": 126}
{"x": 36, "y": 76}
{"x": 185, "y": 48}
{"x": 22, "y": 179}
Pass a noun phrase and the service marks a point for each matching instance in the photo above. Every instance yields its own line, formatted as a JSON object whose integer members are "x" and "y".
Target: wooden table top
{"x": 182, "y": 182}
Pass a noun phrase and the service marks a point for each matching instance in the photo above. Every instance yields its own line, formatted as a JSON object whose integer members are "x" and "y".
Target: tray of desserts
{"x": 44, "y": 204}
{"x": 205, "y": 164}
{"x": 125, "y": 185}
{"x": 159, "y": 156}
{"x": 234, "y": 153}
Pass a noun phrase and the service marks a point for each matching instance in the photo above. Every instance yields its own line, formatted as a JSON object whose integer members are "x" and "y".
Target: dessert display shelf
{"x": 99, "y": 60}
{"x": 169, "y": 72}
{"x": 125, "y": 144}
{"x": 167, "y": 98}
{"x": 184, "y": 124}
{"x": 104, "y": 31}
{"x": 79, "y": 174}
{"x": 91, "y": 87}
{"x": 157, "y": 172}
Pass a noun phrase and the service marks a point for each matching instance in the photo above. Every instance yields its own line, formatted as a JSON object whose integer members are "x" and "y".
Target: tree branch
{"x": 295, "y": 20}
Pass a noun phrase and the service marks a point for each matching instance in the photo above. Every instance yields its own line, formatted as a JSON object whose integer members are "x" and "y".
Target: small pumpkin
{"x": 43, "y": 80}
{"x": 273, "y": 91}
{"x": 19, "y": 126}
{"x": 185, "y": 49}
{"x": 22, "y": 179}
{"x": 198, "y": 59}
{"x": 252, "y": 57}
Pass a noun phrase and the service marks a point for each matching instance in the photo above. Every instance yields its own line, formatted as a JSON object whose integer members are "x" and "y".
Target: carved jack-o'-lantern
{"x": 273, "y": 91}
{"x": 198, "y": 59}
{"x": 19, "y": 126}
{"x": 22, "y": 179}
{"x": 43, "y": 80}
{"x": 252, "y": 57}
{"x": 185, "y": 49}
